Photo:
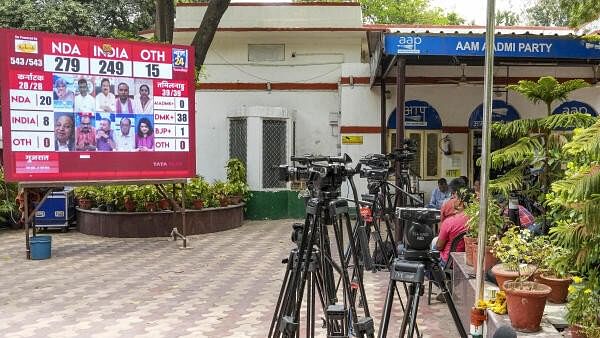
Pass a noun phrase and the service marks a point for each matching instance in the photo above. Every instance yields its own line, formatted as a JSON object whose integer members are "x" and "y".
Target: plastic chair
{"x": 449, "y": 265}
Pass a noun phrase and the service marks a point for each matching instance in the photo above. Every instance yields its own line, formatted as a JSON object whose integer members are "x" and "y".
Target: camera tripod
{"x": 411, "y": 269}
{"x": 312, "y": 263}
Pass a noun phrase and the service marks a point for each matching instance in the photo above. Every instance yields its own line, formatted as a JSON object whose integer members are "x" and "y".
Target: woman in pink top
{"x": 144, "y": 138}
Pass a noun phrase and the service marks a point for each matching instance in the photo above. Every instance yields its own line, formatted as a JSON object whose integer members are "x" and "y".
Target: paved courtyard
{"x": 226, "y": 285}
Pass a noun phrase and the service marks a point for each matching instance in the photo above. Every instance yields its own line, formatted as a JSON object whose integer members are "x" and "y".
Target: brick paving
{"x": 226, "y": 285}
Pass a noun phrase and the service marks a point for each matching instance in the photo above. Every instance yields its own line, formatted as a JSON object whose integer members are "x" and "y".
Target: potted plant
{"x": 146, "y": 197}
{"x": 85, "y": 196}
{"x": 219, "y": 189}
{"x": 520, "y": 255}
{"x": 554, "y": 272}
{"x": 495, "y": 223}
{"x": 236, "y": 171}
{"x": 583, "y": 308}
{"x": 128, "y": 193}
{"x": 237, "y": 191}
{"x": 196, "y": 191}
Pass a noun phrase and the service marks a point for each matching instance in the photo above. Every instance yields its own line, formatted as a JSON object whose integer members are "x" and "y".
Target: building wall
{"x": 311, "y": 109}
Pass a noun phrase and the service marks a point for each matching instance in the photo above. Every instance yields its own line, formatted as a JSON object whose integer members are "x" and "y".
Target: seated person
{"x": 439, "y": 194}
{"x": 447, "y": 208}
{"x": 451, "y": 227}
{"x": 526, "y": 218}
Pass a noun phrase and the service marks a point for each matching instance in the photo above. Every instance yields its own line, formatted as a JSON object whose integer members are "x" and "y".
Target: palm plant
{"x": 537, "y": 147}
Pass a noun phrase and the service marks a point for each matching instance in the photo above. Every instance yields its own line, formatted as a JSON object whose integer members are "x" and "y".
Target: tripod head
{"x": 324, "y": 175}
{"x": 418, "y": 233}
{"x": 405, "y": 154}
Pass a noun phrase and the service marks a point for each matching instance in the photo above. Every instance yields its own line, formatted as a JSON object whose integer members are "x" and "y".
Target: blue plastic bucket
{"x": 41, "y": 247}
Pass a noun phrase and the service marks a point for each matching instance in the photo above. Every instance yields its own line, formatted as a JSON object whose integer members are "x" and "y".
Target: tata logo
{"x": 409, "y": 44}
{"x": 20, "y": 99}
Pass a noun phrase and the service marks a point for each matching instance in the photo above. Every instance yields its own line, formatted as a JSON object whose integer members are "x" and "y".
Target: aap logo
{"x": 180, "y": 58}
{"x": 409, "y": 45}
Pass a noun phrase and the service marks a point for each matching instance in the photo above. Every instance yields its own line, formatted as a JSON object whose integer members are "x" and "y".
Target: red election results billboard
{"x": 89, "y": 109}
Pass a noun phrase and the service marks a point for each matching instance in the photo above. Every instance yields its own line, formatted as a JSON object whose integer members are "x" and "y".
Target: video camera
{"x": 418, "y": 232}
{"x": 374, "y": 167}
{"x": 323, "y": 174}
{"x": 406, "y": 153}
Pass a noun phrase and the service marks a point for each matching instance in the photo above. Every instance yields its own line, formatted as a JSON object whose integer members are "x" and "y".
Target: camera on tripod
{"x": 418, "y": 232}
{"x": 374, "y": 167}
{"x": 324, "y": 175}
{"x": 406, "y": 153}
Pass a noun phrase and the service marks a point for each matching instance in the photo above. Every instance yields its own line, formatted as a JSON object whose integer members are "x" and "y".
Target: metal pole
{"x": 383, "y": 116}
{"x": 485, "y": 149}
{"x": 400, "y": 96}
{"x": 26, "y": 219}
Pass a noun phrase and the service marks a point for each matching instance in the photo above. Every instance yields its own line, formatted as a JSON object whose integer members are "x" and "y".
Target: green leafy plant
{"x": 86, "y": 192}
{"x": 495, "y": 220}
{"x": 583, "y": 308}
{"x": 197, "y": 189}
{"x": 555, "y": 262}
{"x": 518, "y": 248}
{"x": 236, "y": 171}
{"x": 537, "y": 146}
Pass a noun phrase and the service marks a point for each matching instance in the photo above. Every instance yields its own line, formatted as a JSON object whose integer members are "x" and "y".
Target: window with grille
{"x": 238, "y": 139}
{"x": 274, "y": 152}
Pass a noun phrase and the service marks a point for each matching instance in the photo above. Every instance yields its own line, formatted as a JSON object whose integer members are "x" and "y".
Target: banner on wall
{"x": 569, "y": 107}
{"x": 89, "y": 109}
{"x": 504, "y": 46}
{"x": 501, "y": 111}
{"x": 417, "y": 115}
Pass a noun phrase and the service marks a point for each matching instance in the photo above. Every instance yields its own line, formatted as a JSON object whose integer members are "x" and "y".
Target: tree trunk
{"x": 165, "y": 20}
{"x": 208, "y": 28}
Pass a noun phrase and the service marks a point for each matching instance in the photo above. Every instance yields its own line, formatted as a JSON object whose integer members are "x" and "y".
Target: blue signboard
{"x": 504, "y": 46}
{"x": 417, "y": 115}
{"x": 575, "y": 107}
{"x": 501, "y": 111}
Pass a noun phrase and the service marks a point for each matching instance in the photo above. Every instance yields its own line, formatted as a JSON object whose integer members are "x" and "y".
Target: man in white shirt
{"x": 84, "y": 102}
{"x": 124, "y": 104}
{"x": 105, "y": 100}
{"x": 124, "y": 139}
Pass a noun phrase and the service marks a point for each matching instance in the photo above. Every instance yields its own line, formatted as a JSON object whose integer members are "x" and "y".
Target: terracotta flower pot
{"x": 502, "y": 274}
{"x": 237, "y": 199}
{"x": 85, "y": 203}
{"x": 198, "y": 204}
{"x": 129, "y": 205}
{"x": 150, "y": 206}
{"x": 489, "y": 260}
{"x": 577, "y": 331}
{"x": 164, "y": 204}
{"x": 224, "y": 201}
{"x": 469, "y": 242}
{"x": 560, "y": 287}
{"x": 526, "y": 304}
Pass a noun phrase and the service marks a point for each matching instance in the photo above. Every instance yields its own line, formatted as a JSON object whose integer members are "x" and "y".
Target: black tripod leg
{"x": 387, "y": 309}
{"x": 438, "y": 276}
{"x": 402, "y": 304}
{"x": 278, "y": 307}
{"x": 414, "y": 309}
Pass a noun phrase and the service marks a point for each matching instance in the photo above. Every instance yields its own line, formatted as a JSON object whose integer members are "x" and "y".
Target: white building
{"x": 301, "y": 72}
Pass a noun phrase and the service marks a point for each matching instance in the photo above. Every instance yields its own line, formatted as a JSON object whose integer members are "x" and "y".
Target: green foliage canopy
{"x": 406, "y": 11}
{"x": 109, "y": 18}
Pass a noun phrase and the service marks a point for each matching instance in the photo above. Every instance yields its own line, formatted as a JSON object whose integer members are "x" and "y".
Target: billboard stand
{"x": 28, "y": 216}
{"x": 176, "y": 208}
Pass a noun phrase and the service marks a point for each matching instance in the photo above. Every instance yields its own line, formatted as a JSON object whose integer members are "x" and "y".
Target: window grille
{"x": 238, "y": 139}
{"x": 274, "y": 152}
